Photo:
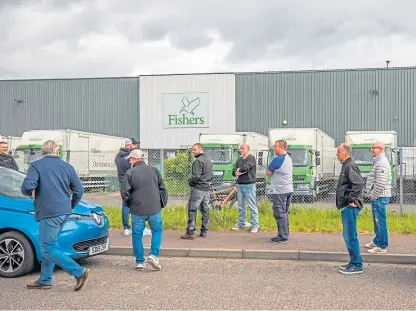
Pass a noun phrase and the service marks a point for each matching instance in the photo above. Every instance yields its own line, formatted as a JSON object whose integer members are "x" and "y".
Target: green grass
{"x": 301, "y": 219}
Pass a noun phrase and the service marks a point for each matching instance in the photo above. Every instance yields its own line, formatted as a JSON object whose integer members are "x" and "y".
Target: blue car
{"x": 85, "y": 234}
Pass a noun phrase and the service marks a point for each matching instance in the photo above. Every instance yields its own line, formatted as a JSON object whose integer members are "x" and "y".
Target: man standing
{"x": 245, "y": 170}
{"x": 349, "y": 201}
{"x": 50, "y": 180}
{"x": 378, "y": 189}
{"x": 123, "y": 166}
{"x": 281, "y": 186}
{"x": 200, "y": 184}
{"x": 6, "y": 160}
{"x": 145, "y": 194}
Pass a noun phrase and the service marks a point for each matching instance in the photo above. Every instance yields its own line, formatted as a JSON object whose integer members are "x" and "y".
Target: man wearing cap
{"x": 145, "y": 194}
{"x": 123, "y": 166}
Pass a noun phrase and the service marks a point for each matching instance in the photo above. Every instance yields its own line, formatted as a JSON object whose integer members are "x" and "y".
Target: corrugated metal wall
{"x": 221, "y": 108}
{"x": 103, "y": 105}
{"x": 334, "y": 101}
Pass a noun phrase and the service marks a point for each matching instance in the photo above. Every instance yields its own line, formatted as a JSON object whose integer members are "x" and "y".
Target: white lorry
{"x": 313, "y": 154}
{"x": 361, "y": 141}
{"x": 92, "y": 155}
{"x": 224, "y": 150}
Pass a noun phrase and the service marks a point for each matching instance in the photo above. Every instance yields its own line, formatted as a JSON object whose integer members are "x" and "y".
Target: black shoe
{"x": 278, "y": 240}
{"x": 203, "y": 234}
{"x": 82, "y": 280}
{"x": 37, "y": 285}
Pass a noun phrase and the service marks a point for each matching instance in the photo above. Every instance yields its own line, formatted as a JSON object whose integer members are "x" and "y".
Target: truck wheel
{"x": 16, "y": 255}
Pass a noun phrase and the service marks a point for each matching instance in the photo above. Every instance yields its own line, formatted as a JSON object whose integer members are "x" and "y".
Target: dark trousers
{"x": 281, "y": 203}
{"x": 198, "y": 199}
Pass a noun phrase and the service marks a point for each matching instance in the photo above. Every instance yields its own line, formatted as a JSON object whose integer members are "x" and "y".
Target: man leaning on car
{"x": 49, "y": 181}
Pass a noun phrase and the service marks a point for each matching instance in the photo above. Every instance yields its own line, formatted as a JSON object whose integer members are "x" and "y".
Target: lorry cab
{"x": 313, "y": 156}
{"x": 224, "y": 150}
{"x": 361, "y": 141}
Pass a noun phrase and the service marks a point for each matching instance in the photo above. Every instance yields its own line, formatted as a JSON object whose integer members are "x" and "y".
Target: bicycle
{"x": 219, "y": 198}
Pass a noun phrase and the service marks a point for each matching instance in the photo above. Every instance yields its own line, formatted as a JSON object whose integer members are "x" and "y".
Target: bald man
{"x": 378, "y": 189}
{"x": 245, "y": 170}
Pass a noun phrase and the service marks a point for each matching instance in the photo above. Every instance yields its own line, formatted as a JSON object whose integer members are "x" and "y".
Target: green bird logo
{"x": 189, "y": 106}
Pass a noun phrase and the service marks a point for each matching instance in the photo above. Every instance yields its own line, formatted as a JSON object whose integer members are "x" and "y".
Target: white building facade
{"x": 175, "y": 109}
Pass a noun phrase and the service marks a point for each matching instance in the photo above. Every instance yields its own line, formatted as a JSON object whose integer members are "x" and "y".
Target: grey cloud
{"x": 257, "y": 30}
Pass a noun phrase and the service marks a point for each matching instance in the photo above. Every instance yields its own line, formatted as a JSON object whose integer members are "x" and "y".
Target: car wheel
{"x": 16, "y": 255}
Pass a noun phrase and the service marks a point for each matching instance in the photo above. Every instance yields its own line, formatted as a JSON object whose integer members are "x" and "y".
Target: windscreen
{"x": 219, "y": 155}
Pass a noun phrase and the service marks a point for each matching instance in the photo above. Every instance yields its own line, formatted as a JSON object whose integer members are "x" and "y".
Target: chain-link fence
{"x": 315, "y": 174}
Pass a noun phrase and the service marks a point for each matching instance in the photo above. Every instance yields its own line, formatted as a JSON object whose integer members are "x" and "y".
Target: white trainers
{"x": 254, "y": 230}
{"x": 127, "y": 232}
{"x": 140, "y": 266}
{"x": 377, "y": 250}
{"x": 154, "y": 262}
{"x": 147, "y": 231}
{"x": 370, "y": 245}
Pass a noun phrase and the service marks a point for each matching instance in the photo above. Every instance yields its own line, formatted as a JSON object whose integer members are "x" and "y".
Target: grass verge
{"x": 301, "y": 219}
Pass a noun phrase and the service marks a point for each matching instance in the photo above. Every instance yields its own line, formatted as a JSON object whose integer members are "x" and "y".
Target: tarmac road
{"x": 190, "y": 283}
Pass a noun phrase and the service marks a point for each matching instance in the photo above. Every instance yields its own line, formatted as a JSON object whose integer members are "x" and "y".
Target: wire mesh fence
{"x": 315, "y": 175}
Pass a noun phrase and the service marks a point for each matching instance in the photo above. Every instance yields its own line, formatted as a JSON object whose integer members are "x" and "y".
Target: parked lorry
{"x": 361, "y": 141}
{"x": 92, "y": 155}
{"x": 313, "y": 154}
{"x": 12, "y": 142}
{"x": 224, "y": 150}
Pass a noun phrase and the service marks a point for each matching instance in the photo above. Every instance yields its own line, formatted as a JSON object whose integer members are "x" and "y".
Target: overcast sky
{"x": 89, "y": 38}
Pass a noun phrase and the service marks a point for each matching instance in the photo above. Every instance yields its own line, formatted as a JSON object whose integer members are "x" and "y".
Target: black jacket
{"x": 350, "y": 185}
{"x": 143, "y": 190}
{"x": 248, "y": 167}
{"x": 8, "y": 161}
{"x": 123, "y": 165}
{"x": 201, "y": 173}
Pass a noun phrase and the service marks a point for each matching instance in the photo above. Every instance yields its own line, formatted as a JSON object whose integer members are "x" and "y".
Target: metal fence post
{"x": 401, "y": 180}
{"x": 162, "y": 163}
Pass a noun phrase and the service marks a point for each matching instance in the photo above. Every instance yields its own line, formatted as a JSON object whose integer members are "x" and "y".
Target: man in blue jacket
{"x": 49, "y": 181}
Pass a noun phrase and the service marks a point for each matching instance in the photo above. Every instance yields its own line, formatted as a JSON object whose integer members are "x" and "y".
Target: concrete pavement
{"x": 246, "y": 245}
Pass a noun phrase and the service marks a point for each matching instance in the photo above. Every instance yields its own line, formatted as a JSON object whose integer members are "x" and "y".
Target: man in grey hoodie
{"x": 123, "y": 165}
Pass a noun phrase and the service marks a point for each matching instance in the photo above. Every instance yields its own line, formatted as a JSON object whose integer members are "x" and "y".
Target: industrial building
{"x": 169, "y": 111}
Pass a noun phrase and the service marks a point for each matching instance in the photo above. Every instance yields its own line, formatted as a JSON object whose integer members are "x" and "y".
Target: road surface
{"x": 188, "y": 283}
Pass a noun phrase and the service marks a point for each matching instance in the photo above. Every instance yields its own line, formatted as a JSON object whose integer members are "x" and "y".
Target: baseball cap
{"x": 136, "y": 153}
{"x": 130, "y": 141}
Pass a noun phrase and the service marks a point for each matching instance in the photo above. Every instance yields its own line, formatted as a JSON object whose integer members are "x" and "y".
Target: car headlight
{"x": 97, "y": 218}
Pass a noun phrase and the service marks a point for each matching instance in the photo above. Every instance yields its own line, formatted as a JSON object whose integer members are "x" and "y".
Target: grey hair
{"x": 49, "y": 147}
{"x": 347, "y": 148}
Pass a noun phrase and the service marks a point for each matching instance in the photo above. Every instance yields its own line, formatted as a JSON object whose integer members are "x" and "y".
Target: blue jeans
{"x": 139, "y": 222}
{"x": 125, "y": 216}
{"x": 349, "y": 223}
{"x": 380, "y": 225}
{"x": 49, "y": 229}
{"x": 247, "y": 193}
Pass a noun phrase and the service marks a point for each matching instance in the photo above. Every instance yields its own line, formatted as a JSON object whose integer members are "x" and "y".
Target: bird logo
{"x": 189, "y": 106}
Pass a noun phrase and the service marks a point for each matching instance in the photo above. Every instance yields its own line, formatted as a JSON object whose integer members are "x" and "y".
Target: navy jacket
{"x": 123, "y": 165}
{"x": 52, "y": 179}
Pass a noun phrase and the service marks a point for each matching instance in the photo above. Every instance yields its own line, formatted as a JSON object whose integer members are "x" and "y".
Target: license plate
{"x": 98, "y": 249}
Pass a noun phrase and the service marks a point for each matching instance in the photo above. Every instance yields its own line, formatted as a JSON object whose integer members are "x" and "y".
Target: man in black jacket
{"x": 200, "y": 184}
{"x": 350, "y": 201}
{"x": 145, "y": 194}
{"x": 245, "y": 170}
{"x": 6, "y": 160}
{"x": 123, "y": 165}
